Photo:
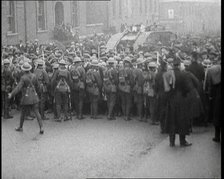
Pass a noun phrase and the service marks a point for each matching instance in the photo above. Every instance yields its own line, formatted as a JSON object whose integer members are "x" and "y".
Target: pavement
{"x": 102, "y": 148}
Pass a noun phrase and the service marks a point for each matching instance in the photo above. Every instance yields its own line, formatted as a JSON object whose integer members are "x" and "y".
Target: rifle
{"x": 70, "y": 105}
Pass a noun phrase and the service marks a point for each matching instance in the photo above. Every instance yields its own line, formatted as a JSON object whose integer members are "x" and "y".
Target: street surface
{"x": 102, "y": 148}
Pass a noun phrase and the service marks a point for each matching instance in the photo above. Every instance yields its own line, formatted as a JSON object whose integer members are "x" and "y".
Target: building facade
{"x": 191, "y": 16}
{"x": 29, "y": 20}
{"x": 133, "y": 12}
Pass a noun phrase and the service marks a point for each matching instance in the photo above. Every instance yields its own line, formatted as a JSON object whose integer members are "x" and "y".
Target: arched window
{"x": 11, "y": 17}
{"x": 41, "y": 21}
{"x": 114, "y": 7}
{"x": 75, "y": 16}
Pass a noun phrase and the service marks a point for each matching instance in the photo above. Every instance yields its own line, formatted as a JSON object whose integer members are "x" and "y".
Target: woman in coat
{"x": 29, "y": 87}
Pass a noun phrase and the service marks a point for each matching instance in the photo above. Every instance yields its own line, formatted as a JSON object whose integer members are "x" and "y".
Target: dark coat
{"x": 198, "y": 70}
{"x": 194, "y": 100}
{"x": 23, "y": 83}
{"x": 178, "y": 120}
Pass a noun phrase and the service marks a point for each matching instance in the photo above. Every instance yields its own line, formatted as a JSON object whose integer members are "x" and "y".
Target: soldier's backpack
{"x": 30, "y": 96}
{"x": 62, "y": 85}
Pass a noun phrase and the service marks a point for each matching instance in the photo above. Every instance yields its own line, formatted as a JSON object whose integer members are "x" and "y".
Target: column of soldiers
{"x": 74, "y": 79}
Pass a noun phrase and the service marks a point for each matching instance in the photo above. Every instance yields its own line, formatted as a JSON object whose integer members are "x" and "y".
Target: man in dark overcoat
{"x": 178, "y": 121}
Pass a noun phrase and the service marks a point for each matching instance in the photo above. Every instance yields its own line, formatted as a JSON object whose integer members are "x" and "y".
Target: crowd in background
{"x": 175, "y": 86}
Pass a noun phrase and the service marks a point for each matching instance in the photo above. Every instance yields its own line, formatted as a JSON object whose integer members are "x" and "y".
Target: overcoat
{"x": 178, "y": 120}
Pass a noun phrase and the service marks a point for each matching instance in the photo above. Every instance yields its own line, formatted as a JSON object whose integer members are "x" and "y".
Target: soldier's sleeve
{"x": 131, "y": 78}
{"x": 69, "y": 79}
{"x": 18, "y": 87}
{"x": 46, "y": 77}
{"x": 54, "y": 77}
{"x": 83, "y": 74}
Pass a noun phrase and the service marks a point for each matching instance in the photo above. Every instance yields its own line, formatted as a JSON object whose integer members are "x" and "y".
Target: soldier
{"x": 78, "y": 86}
{"x": 138, "y": 88}
{"x": 7, "y": 82}
{"x": 55, "y": 67}
{"x": 61, "y": 82}
{"x": 43, "y": 80}
{"x": 110, "y": 87}
{"x": 29, "y": 86}
{"x": 126, "y": 81}
{"x": 151, "y": 91}
{"x": 94, "y": 85}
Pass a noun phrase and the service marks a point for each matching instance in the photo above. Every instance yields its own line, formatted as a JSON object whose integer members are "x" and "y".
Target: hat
{"x": 187, "y": 62}
{"x": 62, "y": 62}
{"x": 152, "y": 65}
{"x": 104, "y": 58}
{"x": 26, "y": 67}
{"x": 140, "y": 61}
{"x": 147, "y": 54}
{"x": 176, "y": 61}
{"x": 127, "y": 59}
{"x": 212, "y": 52}
{"x": 21, "y": 62}
{"x": 86, "y": 55}
{"x": 6, "y": 61}
{"x": 55, "y": 65}
{"x": 77, "y": 59}
{"x": 94, "y": 62}
{"x": 117, "y": 58}
{"x": 111, "y": 60}
{"x": 207, "y": 63}
{"x": 40, "y": 62}
{"x": 170, "y": 60}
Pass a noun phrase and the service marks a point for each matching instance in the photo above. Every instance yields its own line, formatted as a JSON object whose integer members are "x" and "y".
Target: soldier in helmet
{"x": 61, "y": 83}
{"x": 7, "y": 82}
{"x": 126, "y": 82}
{"x": 78, "y": 86}
{"x": 29, "y": 86}
{"x": 138, "y": 88}
{"x": 93, "y": 87}
{"x": 43, "y": 80}
{"x": 110, "y": 87}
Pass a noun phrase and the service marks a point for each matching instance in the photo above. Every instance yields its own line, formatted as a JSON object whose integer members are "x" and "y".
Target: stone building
{"x": 133, "y": 12}
{"x": 29, "y": 20}
{"x": 191, "y": 16}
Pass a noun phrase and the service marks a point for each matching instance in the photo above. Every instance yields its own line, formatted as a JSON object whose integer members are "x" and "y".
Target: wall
{"x": 189, "y": 17}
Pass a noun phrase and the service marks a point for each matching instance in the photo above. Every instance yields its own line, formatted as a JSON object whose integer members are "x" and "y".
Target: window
{"x": 150, "y": 5}
{"x": 41, "y": 24}
{"x": 114, "y": 7}
{"x": 75, "y": 19}
{"x": 11, "y": 17}
{"x": 140, "y": 8}
{"x": 120, "y": 8}
{"x": 95, "y": 12}
{"x": 146, "y": 7}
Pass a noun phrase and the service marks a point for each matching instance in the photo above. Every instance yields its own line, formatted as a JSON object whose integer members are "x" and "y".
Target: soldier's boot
{"x": 172, "y": 140}
{"x": 58, "y": 110}
{"x": 183, "y": 142}
{"x": 95, "y": 110}
{"x": 80, "y": 110}
{"x": 91, "y": 110}
{"x": 110, "y": 109}
{"x": 6, "y": 111}
{"x": 66, "y": 112}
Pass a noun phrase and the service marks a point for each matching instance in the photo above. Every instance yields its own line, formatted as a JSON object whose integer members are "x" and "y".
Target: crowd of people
{"x": 175, "y": 87}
